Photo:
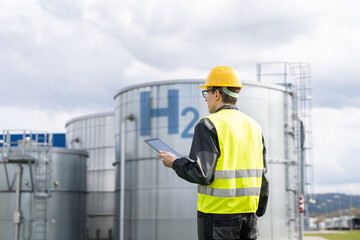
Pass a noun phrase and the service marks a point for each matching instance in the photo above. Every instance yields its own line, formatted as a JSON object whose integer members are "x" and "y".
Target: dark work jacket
{"x": 204, "y": 153}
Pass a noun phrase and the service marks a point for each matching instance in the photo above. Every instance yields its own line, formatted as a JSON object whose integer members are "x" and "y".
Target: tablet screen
{"x": 159, "y": 145}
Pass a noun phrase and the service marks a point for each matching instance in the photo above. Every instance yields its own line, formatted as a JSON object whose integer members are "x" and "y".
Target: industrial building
{"x": 125, "y": 192}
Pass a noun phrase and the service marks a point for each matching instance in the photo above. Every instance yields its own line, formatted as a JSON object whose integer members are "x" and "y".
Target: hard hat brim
{"x": 205, "y": 87}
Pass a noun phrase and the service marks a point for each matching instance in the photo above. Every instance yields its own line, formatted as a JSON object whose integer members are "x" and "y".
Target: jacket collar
{"x": 227, "y": 107}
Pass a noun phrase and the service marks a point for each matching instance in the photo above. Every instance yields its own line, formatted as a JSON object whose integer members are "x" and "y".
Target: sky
{"x": 67, "y": 58}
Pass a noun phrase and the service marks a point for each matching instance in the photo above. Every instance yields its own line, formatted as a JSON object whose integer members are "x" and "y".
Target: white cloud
{"x": 136, "y": 71}
{"x": 75, "y": 45}
{"x": 336, "y": 148}
{"x": 37, "y": 120}
{"x": 56, "y": 62}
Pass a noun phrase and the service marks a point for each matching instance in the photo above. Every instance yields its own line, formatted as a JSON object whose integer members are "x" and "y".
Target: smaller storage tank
{"x": 95, "y": 134}
{"x": 48, "y": 187}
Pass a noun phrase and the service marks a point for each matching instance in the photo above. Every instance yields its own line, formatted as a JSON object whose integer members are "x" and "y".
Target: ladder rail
{"x": 42, "y": 189}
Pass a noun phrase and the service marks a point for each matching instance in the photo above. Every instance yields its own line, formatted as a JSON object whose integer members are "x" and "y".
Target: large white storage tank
{"x": 57, "y": 213}
{"x": 158, "y": 204}
{"x": 95, "y": 134}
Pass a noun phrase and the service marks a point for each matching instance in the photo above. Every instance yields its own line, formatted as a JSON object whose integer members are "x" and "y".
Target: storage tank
{"x": 57, "y": 211}
{"x": 95, "y": 134}
{"x": 159, "y": 205}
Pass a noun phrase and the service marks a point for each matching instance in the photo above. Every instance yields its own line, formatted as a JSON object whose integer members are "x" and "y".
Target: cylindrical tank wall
{"x": 95, "y": 134}
{"x": 66, "y": 208}
{"x": 160, "y": 205}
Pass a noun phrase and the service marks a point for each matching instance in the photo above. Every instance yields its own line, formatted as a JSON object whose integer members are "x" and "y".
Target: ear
{"x": 217, "y": 95}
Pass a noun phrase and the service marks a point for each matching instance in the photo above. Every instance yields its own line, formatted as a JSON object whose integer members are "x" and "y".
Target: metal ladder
{"x": 301, "y": 73}
{"x": 40, "y": 219}
{"x": 296, "y": 78}
{"x": 42, "y": 190}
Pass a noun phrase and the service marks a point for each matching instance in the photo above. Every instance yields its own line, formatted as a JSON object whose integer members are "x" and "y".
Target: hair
{"x": 226, "y": 98}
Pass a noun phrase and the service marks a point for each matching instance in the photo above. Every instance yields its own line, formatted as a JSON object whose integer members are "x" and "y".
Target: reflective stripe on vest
{"x": 228, "y": 193}
{"x": 240, "y": 173}
{"x": 237, "y": 179}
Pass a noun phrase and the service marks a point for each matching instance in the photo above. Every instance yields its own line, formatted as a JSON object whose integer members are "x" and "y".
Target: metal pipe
{"x": 122, "y": 175}
{"x": 122, "y": 180}
{"x": 7, "y": 175}
{"x": 17, "y": 212}
{"x": 301, "y": 175}
{"x": 29, "y": 223}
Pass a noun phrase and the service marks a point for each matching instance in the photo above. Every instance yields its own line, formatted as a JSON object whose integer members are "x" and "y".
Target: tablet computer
{"x": 159, "y": 145}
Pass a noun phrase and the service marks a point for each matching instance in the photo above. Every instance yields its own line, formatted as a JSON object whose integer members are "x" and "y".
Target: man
{"x": 228, "y": 163}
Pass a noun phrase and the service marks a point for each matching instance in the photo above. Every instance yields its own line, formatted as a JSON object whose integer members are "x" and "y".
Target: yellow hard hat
{"x": 222, "y": 76}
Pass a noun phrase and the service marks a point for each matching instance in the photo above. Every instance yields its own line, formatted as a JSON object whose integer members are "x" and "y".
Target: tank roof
{"x": 200, "y": 81}
{"x": 94, "y": 115}
{"x": 70, "y": 151}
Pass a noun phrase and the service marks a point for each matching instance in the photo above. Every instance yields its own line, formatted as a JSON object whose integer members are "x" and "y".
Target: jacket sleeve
{"x": 200, "y": 166}
{"x": 264, "y": 192}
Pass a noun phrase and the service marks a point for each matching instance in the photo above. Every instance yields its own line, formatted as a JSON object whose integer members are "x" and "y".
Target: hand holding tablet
{"x": 159, "y": 145}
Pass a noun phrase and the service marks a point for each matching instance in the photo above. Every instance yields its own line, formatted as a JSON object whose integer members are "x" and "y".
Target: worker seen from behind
{"x": 227, "y": 161}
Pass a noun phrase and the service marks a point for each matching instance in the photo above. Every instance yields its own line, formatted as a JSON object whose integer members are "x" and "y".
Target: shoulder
{"x": 205, "y": 123}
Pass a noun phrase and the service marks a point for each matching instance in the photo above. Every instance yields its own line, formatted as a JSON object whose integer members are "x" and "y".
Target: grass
{"x": 345, "y": 235}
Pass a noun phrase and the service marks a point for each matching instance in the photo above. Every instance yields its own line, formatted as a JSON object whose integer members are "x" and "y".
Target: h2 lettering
{"x": 171, "y": 112}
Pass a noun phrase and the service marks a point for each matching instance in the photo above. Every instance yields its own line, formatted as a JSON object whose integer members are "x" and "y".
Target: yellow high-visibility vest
{"x": 238, "y": 172}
